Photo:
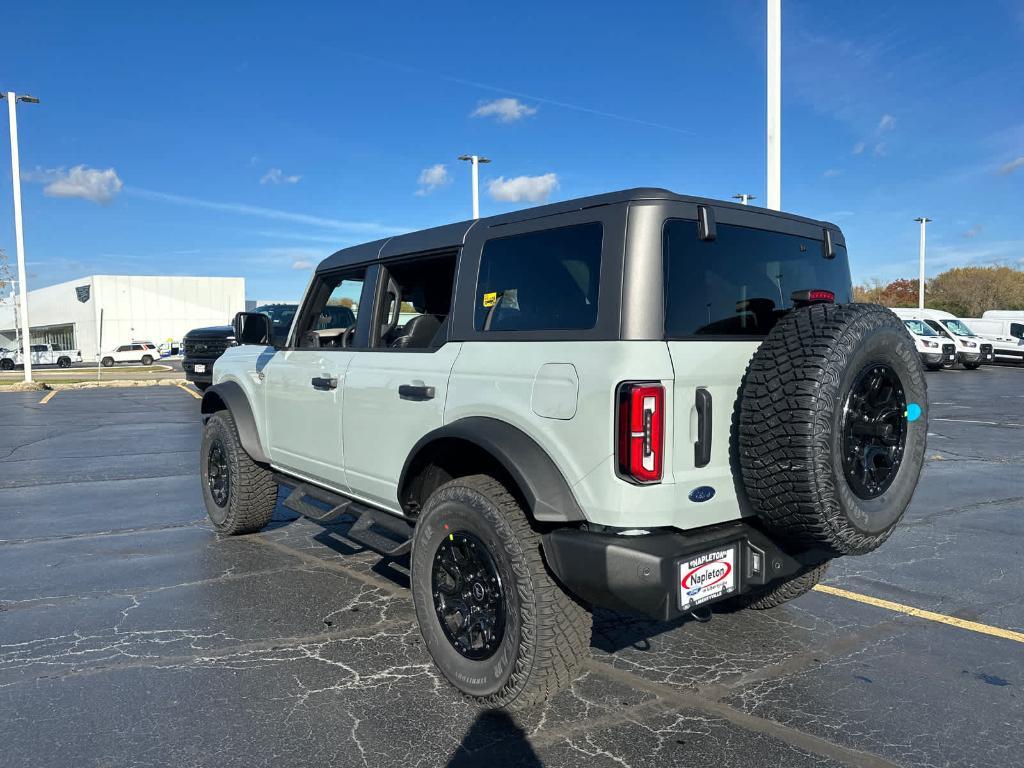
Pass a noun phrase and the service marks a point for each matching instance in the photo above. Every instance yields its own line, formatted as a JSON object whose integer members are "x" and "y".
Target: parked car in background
{"x": 41, "y": 354}
{"x": 1005, "y": 329}
{"x": 936, "y": 351}
{"x": 202, "y": 346}
{"x": 144, "y": 352}
{"x": 971, "y": 350}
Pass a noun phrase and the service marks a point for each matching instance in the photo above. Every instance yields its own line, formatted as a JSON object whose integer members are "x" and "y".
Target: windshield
{"x": 959, "y": 327}
{"x": 280, "y": 315}
{"x": 920, "y": 327}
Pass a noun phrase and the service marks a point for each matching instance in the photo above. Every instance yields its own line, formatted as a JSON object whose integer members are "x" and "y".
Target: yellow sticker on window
{"x": 490, "y": 299}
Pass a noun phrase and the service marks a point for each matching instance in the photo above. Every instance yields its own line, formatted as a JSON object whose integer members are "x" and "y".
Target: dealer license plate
{"x": 201, "y": 368}
{"x": 708, "y": 576}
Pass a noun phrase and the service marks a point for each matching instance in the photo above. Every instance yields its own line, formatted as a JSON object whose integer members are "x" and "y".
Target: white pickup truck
{"x": 40, "y": 354}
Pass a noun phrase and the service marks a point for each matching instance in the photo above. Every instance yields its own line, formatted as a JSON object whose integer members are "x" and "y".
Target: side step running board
{"x": 382, "y": 532}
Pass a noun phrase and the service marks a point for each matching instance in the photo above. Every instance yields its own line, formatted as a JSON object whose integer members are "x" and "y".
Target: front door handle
{"x": 324, "y": 383}
{"x": 415, "y": 392}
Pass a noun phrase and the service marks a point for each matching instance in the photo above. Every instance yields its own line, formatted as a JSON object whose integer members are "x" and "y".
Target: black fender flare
{"x": 543, "y": 487}
{"x": 230, "y": 395}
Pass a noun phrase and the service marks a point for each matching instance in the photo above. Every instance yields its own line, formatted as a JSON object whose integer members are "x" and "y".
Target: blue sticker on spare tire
{"x": 913, "y": 412}
{"x": 702, "y": 493}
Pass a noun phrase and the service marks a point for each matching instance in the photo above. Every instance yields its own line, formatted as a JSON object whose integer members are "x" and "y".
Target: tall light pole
{"x": 744, "y": 198}
{"x": 476, "y": 161}
{"x": 19, "y": 235}
{"x": 923, "y": 221}
{"x": 774, "y": 103}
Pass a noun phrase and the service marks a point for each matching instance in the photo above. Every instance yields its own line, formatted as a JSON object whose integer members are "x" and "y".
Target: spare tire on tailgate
{"x": 832, "y": 426}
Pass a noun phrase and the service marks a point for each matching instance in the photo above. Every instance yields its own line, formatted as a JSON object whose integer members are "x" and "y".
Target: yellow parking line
{"x": 48, "y": 397}
{"x": 941, "y": 618}
{"x": 194, "y": 394}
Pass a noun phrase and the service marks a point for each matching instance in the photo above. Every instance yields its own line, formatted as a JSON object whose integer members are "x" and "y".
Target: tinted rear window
{"x": 536, "y": 281}
{"x": 740, "y": 283}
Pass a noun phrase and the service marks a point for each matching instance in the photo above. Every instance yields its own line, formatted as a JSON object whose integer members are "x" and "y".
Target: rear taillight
{"x": 641, "y": 421}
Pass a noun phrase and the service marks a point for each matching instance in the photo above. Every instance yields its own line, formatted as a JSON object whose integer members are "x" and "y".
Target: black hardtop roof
{"x": 454, "y": 235}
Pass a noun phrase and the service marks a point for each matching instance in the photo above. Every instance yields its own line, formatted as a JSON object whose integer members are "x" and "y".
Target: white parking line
{"x": 990, "y": 423}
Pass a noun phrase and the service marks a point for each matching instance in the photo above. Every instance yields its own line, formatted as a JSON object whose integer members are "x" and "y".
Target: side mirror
{"x": 252, "y": 328}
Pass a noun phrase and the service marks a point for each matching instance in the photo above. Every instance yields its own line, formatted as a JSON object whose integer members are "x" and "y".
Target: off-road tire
{"x": 790, "y": 431}
{"x": 147, "y": 360}
{"x": 547, "y": 632}
{"x": 252, "y": 490}
{"x": 107, "y": 362}
{"x": 784, "y": 592}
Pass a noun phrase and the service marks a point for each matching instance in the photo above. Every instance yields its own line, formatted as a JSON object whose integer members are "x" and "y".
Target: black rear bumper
{"x": 641, "y": 573}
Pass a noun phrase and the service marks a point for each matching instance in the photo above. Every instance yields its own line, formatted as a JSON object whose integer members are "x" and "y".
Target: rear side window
{"x": 742, "y": 282}
{"x": 539, "y": 281}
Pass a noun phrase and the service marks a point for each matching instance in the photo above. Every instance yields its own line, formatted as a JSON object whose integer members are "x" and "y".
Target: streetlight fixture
{"x": 923, "y": 221}
{"x": 476, "y": 161}
{"x": 19, "y": 235}
{"x": 744, "y": 198}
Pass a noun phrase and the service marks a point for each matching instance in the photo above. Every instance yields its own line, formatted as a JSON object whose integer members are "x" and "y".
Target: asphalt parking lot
{"x": 131, "y": 635}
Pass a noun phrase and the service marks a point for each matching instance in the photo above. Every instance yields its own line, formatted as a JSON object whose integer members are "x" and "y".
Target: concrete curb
{"x": 37, "y": 386}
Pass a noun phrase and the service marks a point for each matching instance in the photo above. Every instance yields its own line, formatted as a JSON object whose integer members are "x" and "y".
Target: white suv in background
{"x": 144, "y": 352}
{"x": 936, "y": 351}
{"x": 972, "y": 351}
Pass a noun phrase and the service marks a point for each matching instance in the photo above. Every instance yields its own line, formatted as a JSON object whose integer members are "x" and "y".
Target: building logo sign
{"x": 82, "y": 291}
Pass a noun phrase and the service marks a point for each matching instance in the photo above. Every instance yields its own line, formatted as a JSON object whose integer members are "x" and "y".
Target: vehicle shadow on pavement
{"x": 494, "y": 739}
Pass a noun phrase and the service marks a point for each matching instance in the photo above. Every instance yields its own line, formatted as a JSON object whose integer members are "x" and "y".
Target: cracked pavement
{"x": 132, "y": 635}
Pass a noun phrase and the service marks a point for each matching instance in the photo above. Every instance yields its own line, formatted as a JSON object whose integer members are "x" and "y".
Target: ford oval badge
{"x": 703, "y": 493}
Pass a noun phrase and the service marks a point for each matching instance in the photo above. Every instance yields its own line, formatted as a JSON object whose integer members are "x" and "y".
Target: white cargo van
{"x": 971, "y": 350}
{"x": 936, "y": 351}
{"x": 1005, "y": 329}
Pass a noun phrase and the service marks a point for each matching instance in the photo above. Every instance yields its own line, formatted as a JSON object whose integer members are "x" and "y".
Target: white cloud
{"x": 534, "y": 189}
{"x": 302, "y": 264}
{"x": 831, "y": 173}
{"x": 505, "y": 110}
{"x": 277, "y": 176}
{"x": 858, "y": 148}
{"x": 886, "y": 123}
{"x": 431, "y": 178}
{"x": 85, "y": 183}
{"x": 1012, "y": 166}
{"x": 973, "y": 231}
{"x": 880, "y": 149}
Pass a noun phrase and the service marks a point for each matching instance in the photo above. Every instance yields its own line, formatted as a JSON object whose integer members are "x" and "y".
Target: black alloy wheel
{"x": 217, "y": 474}
{"x": 468, "y": 596}
{"x": 874, "y": 430}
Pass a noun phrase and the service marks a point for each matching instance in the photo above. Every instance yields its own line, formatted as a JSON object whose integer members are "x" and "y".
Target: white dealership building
{"x": 101, "y": 312}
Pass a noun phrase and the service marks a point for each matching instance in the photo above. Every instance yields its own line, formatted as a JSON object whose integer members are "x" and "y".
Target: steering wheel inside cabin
{"x": 347, "y": 334}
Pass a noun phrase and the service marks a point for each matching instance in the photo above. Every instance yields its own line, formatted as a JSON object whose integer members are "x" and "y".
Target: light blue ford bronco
{"x": 640, "y": 400}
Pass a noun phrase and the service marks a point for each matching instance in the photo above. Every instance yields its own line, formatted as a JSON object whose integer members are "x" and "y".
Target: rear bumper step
{"x": 641, "y": 573}
{"x": 382, "y": 532}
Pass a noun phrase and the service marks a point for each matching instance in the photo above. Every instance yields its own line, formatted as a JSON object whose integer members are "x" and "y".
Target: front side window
{"x": 334, "y": 322}
{"x": 546, "y": 280}
{"x": 1017, "y": 330}
{"x": 742, "y": 282}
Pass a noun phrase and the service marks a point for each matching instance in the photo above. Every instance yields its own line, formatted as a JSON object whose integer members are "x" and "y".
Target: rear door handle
{"x": 702, "y": 446}
{"x": 415, "y": 392}
{"x": 325, "y": 383}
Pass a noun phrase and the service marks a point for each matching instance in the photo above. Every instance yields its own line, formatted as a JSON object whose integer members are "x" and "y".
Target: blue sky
{"x": 222, "y": 139}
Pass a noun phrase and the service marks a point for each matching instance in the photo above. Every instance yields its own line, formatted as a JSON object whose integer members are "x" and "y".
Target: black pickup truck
{"x": 202, "y": 346}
